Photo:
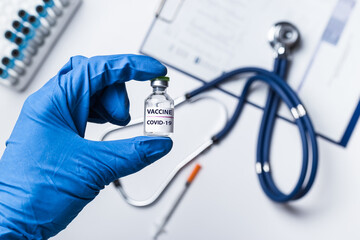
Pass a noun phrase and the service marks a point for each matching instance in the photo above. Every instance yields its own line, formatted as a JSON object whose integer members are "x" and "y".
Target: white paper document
{"x": 205, "y": 38}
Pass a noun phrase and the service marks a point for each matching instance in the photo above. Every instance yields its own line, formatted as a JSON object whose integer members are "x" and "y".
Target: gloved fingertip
{"x": 161, "y": 69}
{"x": 153, "y": 148}
{"x": 148, "y": 67}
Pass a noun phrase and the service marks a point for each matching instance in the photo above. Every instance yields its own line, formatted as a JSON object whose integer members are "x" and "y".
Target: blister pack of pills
{"x": 28, "y": 31}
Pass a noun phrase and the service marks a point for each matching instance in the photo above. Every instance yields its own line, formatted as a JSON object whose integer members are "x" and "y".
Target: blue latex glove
{"x": 48, "y": 171}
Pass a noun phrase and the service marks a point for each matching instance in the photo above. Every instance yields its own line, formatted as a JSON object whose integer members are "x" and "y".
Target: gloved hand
{"x": 48, "y": 171}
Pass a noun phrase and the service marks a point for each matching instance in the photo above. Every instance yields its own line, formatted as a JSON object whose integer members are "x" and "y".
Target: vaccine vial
{"x": 159, "y": 110}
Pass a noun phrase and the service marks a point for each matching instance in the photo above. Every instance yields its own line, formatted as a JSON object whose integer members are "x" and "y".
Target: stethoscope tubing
{"x": 278, "y": 90}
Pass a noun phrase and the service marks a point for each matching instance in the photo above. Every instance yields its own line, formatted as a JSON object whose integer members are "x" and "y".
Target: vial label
{"x": 159, "y": 120}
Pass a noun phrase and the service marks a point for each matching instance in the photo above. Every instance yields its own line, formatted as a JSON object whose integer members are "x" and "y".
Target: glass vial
{"x": 159, "y": 110}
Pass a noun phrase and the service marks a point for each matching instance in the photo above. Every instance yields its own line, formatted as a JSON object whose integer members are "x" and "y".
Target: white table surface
{"x": 225, "y": 201}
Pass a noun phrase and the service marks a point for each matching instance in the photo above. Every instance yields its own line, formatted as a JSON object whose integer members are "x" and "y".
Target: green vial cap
{"x": 162, "y": 78}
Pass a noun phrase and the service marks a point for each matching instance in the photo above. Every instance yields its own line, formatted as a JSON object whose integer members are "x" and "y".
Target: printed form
{"x": 206, "y": 38}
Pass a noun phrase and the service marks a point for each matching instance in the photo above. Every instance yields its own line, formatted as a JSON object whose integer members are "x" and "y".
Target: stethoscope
{"x": 283, "y": 37}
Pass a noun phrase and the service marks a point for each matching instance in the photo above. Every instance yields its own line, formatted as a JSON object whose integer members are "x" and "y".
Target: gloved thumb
{"x": 115, "y": 159}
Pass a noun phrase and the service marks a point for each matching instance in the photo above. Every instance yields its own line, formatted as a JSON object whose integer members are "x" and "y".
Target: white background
{"x": 225, "y": 201}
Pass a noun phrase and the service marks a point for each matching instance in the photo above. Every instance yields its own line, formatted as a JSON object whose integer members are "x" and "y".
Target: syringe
{"x": 190, "y": 179}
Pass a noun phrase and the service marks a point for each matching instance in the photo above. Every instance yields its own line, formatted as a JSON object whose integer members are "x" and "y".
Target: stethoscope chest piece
{"x": 283, "y": 37}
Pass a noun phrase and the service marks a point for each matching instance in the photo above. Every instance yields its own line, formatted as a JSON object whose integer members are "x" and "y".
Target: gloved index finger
{"x": 103, "y": 71}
